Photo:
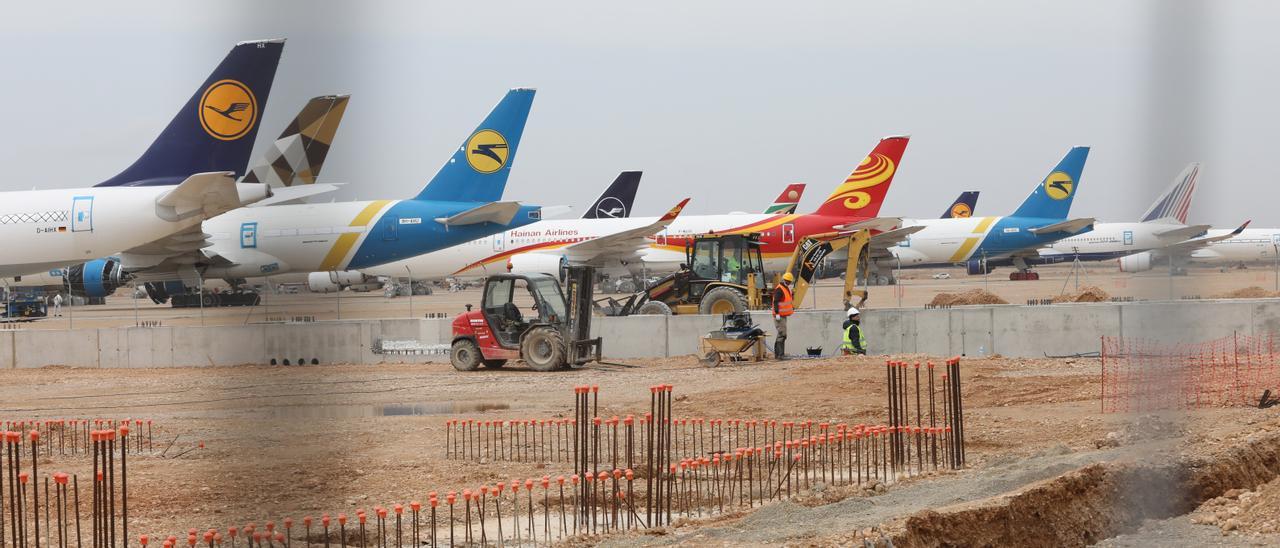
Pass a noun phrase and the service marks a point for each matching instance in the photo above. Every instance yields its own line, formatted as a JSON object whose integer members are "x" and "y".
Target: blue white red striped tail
{"x": 1175, "y": 203}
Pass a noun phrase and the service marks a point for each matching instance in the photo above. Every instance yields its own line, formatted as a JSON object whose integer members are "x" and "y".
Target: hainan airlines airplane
{"x": 657, "y": 243}
{"x": 975, "y": 241}
{"x": 187, "y": 175}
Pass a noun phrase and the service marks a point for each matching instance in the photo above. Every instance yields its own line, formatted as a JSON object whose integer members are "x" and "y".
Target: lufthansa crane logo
{"x": 487, "y": 151}
{"x": 961, "y": 210}
{"x": 1058, "y": 185}
{"x": 227, "y": 110}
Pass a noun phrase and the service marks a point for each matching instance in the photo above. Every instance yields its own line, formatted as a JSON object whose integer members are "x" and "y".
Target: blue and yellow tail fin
{"x": 478, "y": 170}
{"x": 1052, "y": 197}
{"x": 215, "y": 130}
{"x": 963, "y": 206}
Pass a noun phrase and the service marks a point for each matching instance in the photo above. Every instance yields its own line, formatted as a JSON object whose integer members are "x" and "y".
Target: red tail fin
{"x": 862, "y": 194}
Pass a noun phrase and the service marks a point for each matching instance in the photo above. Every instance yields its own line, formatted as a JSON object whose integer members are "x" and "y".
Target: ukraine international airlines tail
{"x": 200, "y": 152}
{"x": 1042, "y": 218}
{"x": 461, "y": 203}
{"x": 657, "y": 243}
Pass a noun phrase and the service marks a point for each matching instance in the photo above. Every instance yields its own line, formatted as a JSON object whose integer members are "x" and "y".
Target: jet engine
{"x": 538, "y": 263}
{"x": 96, "y": 278}
{"x": 1138, "y": 262}
{"x": 977, "y": 267}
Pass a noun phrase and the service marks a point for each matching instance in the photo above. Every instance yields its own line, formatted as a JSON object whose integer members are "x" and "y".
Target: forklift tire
{"x": 654, "y": 308}
{"x": 465, "y": 355}
{"x": 723, "y": 300}
{"x": 544, "y": 349}
{"x": 494, "y": 364}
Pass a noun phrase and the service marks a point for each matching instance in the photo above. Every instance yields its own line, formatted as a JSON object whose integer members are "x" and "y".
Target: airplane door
{"x": 1128, "y": 237}
{"x": 82, "y": 214}
{"x": 662, "y": 237}
{"x": 248, "y": 235}
{"x": 788, "y": 233}
{"x": 498, "y": 242}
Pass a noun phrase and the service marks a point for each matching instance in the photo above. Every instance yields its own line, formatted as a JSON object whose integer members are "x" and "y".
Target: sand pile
{"x": 1090, "y": 294}
{"x": 1251, "y": 292}
{"x": 1256, "y": 511}
{"x": 972, "y": 296}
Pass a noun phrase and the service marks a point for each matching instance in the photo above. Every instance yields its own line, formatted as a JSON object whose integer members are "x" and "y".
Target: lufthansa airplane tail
{"x": 1175, "y": 203}
{"x": 786, "y": 202}
{"x": 1052, "y": 197}
{"x": 862, "y": 193}
{"x": 215, "y": 129}
{"x": 616, "y": 201}
{"x": 298, "y": 155}
{"x": 478, "y": 170}
{"x": 963, "y": 206}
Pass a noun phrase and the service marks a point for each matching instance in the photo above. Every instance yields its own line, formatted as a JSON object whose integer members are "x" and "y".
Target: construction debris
{"x": 1088, "y": 294}
{"x": 972, "y": 296}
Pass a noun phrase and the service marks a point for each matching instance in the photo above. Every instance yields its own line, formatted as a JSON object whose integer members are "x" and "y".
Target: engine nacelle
{"x": 538, "y": 263}
{"x": 1138, "y": 262}
{"x": 329, "y": 282}
{"x": 96, "y": 278}
{"x": 977, "y": 267}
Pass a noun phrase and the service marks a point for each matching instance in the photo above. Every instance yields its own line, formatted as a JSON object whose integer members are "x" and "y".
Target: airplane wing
{"x": 1180, "y": 232}
{"x": 1072, "y": 225}
{"x": 1193, "y": 244}
{"x": 208, "y": 195}
{"x": 624, "y": 244}
{"x": 492, "y": 212}
{"x": 890, "y": 238}
{"x": 295, "y": 194}
{"x": 881, "y": 224}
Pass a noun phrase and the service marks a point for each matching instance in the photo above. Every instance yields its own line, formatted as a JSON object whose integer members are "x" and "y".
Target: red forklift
{"x": 555, "y": 334}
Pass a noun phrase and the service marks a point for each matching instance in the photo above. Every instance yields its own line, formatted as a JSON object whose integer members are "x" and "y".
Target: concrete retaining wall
{"x": 1010, "y": 330}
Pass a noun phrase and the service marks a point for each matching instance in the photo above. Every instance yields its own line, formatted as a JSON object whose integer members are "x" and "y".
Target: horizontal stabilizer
{"x": 1180, "y": 232}
{"x": 881, "y": 224}
{"x": 894, "y": 237}
{"x": 493, "y": 212}
{"x": 1196, "y": 243}
{"x": 1073, "y": 226}
{"x": 297, "y": 193}
{"x": 209, "y": 195}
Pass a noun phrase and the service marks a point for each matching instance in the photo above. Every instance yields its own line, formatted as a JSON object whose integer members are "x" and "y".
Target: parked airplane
{"x": 616, "y": 201}
{"x": 975, "y": 241}
{"x": 461, "y": 203}
{"x": 963, "y": 207}
{"x": 189, "y": 168}
{"x": 657, "y": 243}
{"x": 787, "y": 202}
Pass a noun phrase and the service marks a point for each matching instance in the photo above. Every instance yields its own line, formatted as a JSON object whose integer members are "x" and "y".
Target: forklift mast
{"x": 579, "y": 282}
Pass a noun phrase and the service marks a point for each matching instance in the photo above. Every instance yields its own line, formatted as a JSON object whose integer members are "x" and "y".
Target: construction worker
{"x": 783, "y": 306}
{"x": 855, "y": 341}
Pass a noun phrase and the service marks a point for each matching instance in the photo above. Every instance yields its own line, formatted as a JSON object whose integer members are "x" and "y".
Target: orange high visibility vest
{"x": 785, "y": 307}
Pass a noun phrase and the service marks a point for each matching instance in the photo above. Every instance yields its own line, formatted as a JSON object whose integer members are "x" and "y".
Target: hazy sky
{"x": 721, "y": 101}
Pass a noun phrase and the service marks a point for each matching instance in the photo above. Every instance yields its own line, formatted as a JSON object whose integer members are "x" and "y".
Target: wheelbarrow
{"x": 716, "y": 349}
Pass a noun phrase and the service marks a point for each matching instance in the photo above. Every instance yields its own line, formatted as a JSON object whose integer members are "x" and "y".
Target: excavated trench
{"x": 1095, "y": 502}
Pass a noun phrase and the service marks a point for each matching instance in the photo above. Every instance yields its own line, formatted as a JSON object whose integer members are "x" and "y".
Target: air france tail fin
{"x": 862, "y": 193}
{"x": 616, "y": 201}
{"x": 298, "y": 155}
{"x": 786, "y": 202}
{"x": 963, "y": 206}
{"x": 1052, "y": 197}
{"x": 478, "y": 170}
{"x": 215, "y": 129}
{"x": 1176, "y": 200}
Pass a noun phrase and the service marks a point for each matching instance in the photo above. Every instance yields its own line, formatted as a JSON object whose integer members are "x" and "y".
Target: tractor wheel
{"x": 544, "y": 349}
{"x": 465, "y": 355}
{"x": 494, "y": 364}
{"x": 723, "y": 300}
{"x": 654, "y": 308}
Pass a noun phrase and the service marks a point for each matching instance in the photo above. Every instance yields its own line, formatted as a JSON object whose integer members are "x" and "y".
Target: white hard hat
{"x": 852, "y": 311}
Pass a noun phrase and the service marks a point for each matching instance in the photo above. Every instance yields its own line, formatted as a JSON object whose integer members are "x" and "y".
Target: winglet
{"x": 674, "y": 212}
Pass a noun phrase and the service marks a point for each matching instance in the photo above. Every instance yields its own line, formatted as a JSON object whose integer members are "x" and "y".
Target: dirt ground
{"x": 288, "y": 442}
{"x": 917, "y": 289}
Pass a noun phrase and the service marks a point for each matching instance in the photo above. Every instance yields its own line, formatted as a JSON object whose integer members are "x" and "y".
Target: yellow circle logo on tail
{"x": 487, "y": 151}
{"x": 873, "y": 171}
{"x": 1058, "y": 185}
{"x": 227, "y": 110}
{"x": 961, "y": 210}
